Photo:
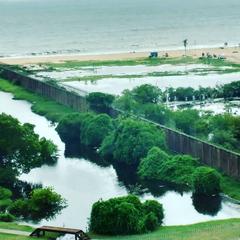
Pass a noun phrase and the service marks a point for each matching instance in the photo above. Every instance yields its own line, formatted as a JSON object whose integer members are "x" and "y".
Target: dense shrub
{"x": 20, "y": 208}
{"x": 150, "y": 165}
{"x": 155, "y": 208}
{"x": 5, "y": 193}
{"x": 69, "y": 128}
{"x": 95, "y": 130}
{"x": 42, "y": 204}
{"x": 26, "y": 151}
{"x": 178, "y": 170}
{"x": 100, "y": 102}
{"x": 206, "y": 181}
{"x": 132, "y": 140}
{"x": 6, "y": 217}
{"x": 125, "y": 215}
{"x": 146, "y": 93}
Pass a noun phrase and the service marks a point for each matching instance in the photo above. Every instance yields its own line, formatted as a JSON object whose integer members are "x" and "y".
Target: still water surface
{"x": 83, "y": 182}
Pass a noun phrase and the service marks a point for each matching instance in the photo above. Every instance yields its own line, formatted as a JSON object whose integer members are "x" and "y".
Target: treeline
{"x": 220, "y": 129}
{"x": 20, "y": 151}
{"x": 226, "y": 91}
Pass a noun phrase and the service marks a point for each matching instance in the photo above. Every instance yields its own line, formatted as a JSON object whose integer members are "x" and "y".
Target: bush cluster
{"x": 42, "y": 204}
{"x": 182, "y": 170}
{"x": 125, "y": 215}
{"x": 88, "y": 129}
{"x": 121, "y": 140}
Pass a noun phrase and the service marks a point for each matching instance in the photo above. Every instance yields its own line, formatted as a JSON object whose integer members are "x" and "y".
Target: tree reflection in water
{"x": 127, "y": 176}
{"x": 207, "y": 205}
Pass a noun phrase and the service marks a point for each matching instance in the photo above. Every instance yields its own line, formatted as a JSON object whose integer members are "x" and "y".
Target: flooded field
{"x": 117, "y": 85}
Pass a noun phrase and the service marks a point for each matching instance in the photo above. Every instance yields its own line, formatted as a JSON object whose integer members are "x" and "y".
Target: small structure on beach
{"x": 153, "y": 55}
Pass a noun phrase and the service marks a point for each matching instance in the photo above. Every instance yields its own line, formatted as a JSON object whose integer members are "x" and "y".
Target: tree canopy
{"x": 125, "y": 215}
{"x": 21, "y": 149}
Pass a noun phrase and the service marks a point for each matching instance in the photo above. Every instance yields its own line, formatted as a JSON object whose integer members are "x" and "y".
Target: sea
{"x": 43, "y": 27}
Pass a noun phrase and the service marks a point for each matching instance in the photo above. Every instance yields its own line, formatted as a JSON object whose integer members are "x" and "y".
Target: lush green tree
{"x": 151, "y": 221}
{"x": 150, "y": 165}
{"x": 20, "y": 148}
{"x": 146, "y": 93}
{"x": 6, "y": 217}
{"x": 5, "y": 198}
{"x": 125, "y": 215}
{"x": 178, "y": 170}
{"x": 126, "y": 102}
{"x": 157, "y": 113}
{"x": 185, "y": 120}
{"x": 206, "y": 181}
{"x": 45, "y": 203}
{"x": 69, "y": 128}
{"x": 42, "y": 204}
{"x": 133, "y": 139}
{"x": 184, "y": 94}
{"x": 95, "y": 130}
{"x": 155, "y": 208}
{"x": 100, "y": 102}
{"x": 231, "y": 90}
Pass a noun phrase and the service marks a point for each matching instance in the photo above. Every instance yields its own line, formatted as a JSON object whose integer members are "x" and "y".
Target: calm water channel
{"x": 83, "y": 182}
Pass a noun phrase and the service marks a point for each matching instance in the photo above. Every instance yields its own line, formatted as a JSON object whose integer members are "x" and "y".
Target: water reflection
{"x": 84, "y": 180}
{"x": 207, "y": 205}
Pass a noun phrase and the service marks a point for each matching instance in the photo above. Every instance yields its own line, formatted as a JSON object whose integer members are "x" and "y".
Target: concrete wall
{"x": 211, "y": 155}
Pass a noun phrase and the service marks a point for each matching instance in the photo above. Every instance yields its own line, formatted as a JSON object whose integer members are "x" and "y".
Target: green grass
{"x": 18, "y": 227}
{"x": 214, "y": 230}
{"x": 132, "y": 62}
{"x": 231, "y": 187}
{"x": 40, "y": 105}
{"x": 15, "y": 226}
{"x": 4, "y": 236}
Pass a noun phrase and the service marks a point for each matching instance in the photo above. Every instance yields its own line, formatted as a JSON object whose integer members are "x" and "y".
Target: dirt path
{"x": 15, "y": 232}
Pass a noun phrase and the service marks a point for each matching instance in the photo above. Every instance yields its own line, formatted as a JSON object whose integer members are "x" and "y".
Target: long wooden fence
{"x": 209, "y": 154}
{"x": 65, "y": 96}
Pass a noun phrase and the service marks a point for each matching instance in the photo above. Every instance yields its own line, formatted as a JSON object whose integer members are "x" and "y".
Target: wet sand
{"x": 231, "y": 54}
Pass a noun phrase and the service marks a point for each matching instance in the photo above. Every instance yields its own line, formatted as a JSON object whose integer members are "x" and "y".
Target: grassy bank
{"x": 40, "y": 105}
{"x": 214, "y": 230}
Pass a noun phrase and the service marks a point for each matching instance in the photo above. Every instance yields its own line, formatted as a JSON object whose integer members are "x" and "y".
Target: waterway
{"x": 82, "y": 182}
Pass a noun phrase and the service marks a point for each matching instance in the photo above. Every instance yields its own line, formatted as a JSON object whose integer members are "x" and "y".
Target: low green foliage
{"x": 125, "y": 215}
{"x": 214, "y": 230}
{"x": 206, "y": 181}
{"x": 131, "y": 141}
{"x": 178, "y": 169}
{"x": 96, "y": 129}
{"x": 88, "y": 129}
{"x": 27, "y": 150}
{"x": 100, "y": 102}
{"x": 231, "y": 187}
{"x": 158, "y": 165}
{"x": 150, "y": 165}
{"x": 42, "y": 204}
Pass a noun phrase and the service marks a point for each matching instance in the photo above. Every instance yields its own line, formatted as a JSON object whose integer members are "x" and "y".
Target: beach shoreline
{"x": 230, "y": 53}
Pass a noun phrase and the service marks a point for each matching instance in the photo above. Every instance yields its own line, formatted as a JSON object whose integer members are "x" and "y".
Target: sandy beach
{"x": 231, "y": 53}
